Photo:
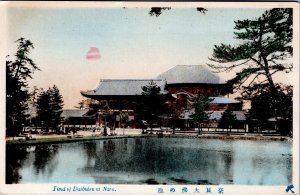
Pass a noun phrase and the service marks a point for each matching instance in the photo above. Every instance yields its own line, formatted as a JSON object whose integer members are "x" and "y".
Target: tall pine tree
{"x": 56, "y": 105}
{"x": 49, "y": 108}
{"x": 265, "y": 43}
{"x": 201, "y": 113}
{"x": 43, "y": 109}
{"x": 18, "y": 72}
{"x": 152, "y": 103}
{"x": 228, "y": 119}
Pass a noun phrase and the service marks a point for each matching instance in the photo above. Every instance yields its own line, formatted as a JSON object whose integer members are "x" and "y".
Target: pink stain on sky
{"x": 93, "y": 54}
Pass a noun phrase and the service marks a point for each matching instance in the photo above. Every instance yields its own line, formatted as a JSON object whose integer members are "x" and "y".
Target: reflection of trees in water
{"x": 150, "y": 156}
{"x": 288, "y": 161}
{"x": 228, "y": 160}
{"x": 107, "y": 159}
{"x": 155, "y": 156}
{"x": 109, "y": 147}
{"x": 45, "y": 158}
{"x": 15, "y": 157}
{"x": 138, "y": 145}
{"x": 90, "y": 149}
{"x": 260, "y": 166}
{"x": 176, "y": 160}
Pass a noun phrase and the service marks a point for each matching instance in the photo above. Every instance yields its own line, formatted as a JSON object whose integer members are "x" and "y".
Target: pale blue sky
{"x": 131, "y": 42}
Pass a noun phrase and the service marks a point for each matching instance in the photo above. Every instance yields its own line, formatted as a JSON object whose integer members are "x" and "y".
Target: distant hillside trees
{"x": 18, "y": 72}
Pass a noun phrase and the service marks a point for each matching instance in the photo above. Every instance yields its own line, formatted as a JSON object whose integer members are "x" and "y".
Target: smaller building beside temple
{"x": 78, "y": 118}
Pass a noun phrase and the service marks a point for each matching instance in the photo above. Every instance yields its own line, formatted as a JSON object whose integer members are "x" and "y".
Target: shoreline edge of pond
{"x": 66, "y": 139}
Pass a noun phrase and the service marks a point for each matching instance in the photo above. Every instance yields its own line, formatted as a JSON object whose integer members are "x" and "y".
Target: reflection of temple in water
{"x": 152, "y": 160}
{"x": 113, "y": 158}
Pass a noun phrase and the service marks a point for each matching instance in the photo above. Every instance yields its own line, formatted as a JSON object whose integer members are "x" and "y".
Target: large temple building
{"x": 187, "y": 81}
{"x": 120, "y": 93}
{"x": 183, "y": 82}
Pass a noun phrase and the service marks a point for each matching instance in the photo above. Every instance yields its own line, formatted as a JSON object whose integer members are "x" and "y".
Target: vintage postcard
{"x": 149, "y": 98}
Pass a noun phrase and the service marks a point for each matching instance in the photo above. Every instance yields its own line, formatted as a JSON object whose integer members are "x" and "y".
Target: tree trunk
{"x": 17, "y": 72}
{"x": 269, "y": 77}
{"x": 105, "y": 131}
{"x": 151, "y": 128}
{"x": 265, "y": 64}
{"x": 105, "y": 128}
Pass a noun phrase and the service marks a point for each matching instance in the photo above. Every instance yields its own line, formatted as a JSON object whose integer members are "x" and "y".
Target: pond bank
{"x": 67, "y": 138}
{"x": 51, "y": 140}
{"x": 238, "y": 137}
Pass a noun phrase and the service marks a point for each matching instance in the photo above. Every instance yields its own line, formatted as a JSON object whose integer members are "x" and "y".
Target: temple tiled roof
{"x": 67, "y": 113}
{"x": 190, "y": 74}
{"x": 216, "y": 115}
{"x": 122, "y": 87}
{"x": 222, "y": 100}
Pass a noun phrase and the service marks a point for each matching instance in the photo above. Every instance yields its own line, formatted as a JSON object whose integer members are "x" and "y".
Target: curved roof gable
{"x": 190, "y": 74}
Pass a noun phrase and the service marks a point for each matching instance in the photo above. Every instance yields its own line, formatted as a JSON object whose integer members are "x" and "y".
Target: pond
{"x": 153, "y": 161}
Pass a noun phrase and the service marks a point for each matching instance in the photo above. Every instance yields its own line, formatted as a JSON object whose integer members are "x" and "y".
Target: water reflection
{"x": 155, "y": 161}
{"x": 42, "y": 158}
{"x": 45, "y": 159}
{"x": 15, "y": 158}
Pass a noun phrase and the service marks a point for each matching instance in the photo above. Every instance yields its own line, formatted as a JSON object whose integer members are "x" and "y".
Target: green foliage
{"x": 81, "y": 104}
{"x": 265, "y": 42}
{"x": 201, "y": 10}
{"x": 152, "y": 103}
{"x": 201, "y": 107}
{"x": 23, "y": 67}
{"x": 49, "y": 108}
{"x": 43, "y": 109}
{"x": 18, "y": 72}
{"x": 124, "y": 118}
{"x": 156, "y": 11}
{"x": 265, "y": 105}
{"x": 106, "y": 114}
{"x": 56, "y": 106}
{"x": 228, "y": 118}
{"x": 16, "y": 103}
